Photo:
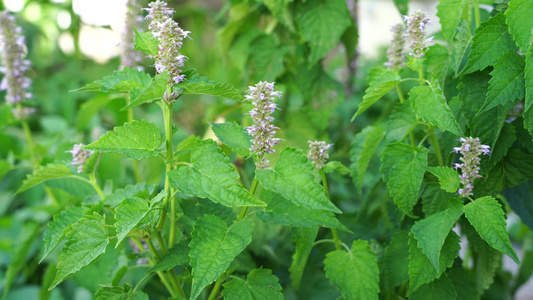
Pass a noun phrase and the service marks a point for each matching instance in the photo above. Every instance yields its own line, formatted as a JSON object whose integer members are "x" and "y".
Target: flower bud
{"x": 318, "y": 153}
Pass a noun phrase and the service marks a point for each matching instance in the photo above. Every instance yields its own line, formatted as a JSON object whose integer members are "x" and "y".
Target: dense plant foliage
{"x": 261, "y": 166}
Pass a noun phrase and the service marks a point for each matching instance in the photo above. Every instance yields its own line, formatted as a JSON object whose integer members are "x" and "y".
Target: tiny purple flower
{"x": 318, "y": 153}
{"x": 416, "y": 25}
{"x": 470, "y": 150}
{"x": 79, "y": 156}
{"x": 395, "y": 53}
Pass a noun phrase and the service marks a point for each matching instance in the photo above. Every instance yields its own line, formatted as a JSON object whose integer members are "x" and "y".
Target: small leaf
{"x": 429, "y": 103}
{"x": 44, "y": 173}
{"x": 449, "y": 179}
{"x": 154, "y": 92}
{"x": 141, "y": 190}
{"x": 451, "y": 13}
{"x": 402, "y": 6}
{"x": 293, "y": 178}
{"x": 486, "y": 215}
{"x": 441, "y": 289}
{"x": 380, "y": 86}
{"x": 145, "y": 42}
{"x": 135, "y": 140}
{"x": 304, "y": 240}
{"x": 518, "y": 18}
{"x": 57, "y": 229}
{"x": 87, "y": 240}
{"x": 176, "y": 256}
{"x": 213, "y": 248}
{"x": 403, "y": 169}
{"x": 233, "y": 136}
{"x": 354, "y": 273}
{"x": 432, "y": 231}
{"x": 334, "y": 165}
{"x": 491, "y": 39}
{"x": 203, "y": 86}
{"x": 120, "y": 82}
{"x": 401, "y": 121}
{"x": 119, "y": 293}
{"x": 260, "y": 284}
{"x": 364, "y": 145}
{"x": 209, "y": 174}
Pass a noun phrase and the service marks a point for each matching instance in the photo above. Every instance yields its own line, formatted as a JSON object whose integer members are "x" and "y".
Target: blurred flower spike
{"x": 470, "y": 150}
{"x": 416, "y": 32}
{"x": 395, "y": 53}
{"x": 318, "y": 153}
{"x": 79, "y": 156}
{"x": 129, "y": 57}
{"x": 262, "y": 96}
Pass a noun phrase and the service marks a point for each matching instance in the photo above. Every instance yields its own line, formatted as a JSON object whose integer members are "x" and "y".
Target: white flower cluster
{"x": 470, "y": 149}
{"x": 416, "y": 32}
{"x": 395, "y": 52}
{"x": 129, "y": 57}
{"x": 318, "y": 153}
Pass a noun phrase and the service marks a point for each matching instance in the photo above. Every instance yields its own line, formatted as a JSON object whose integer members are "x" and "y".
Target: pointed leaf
{"x": 203, "y": 86}
{"x": 441, "y": 289}
{"x": 364, "y": 145}
{"x": 135, "y": 140}
{"x": 120, "y": 82}
{"x": 145, "y": 42}
{"x": 260, "y": 284}
{"x": 491, "y": 39}
{"x": 460, "y": 46}
{"x": 154, "y": 92}
{"x": 519, "y": 20}
{"x": 304, "y": 240}
{"x": 486, "y": 215}
{"x": 449, "y": 179}
{"x": 429, "y": 103}
{"x": 209, "y": 174}
{"x": 356, "y": 273}
{"x": 334, "y": 165}
{"x": 293, "y": 177}
{"x": 451, "y": 13}
{"x": 401, "y": 121}
{"x": 233, "y": 136}
{"x": 421, "y": 270}
{"x": 507, "y": 82}
{"x": 403, "y": 6}
{"x": 57, "y": 229}
{"x": 432, "y": 231}
{"x": 44, "y": 173}
{"x": 213, "y": 248}
{"x": 281, "y": 211}
{"x": 395, "y": 263}
{"x": 403, "y": 169}
{"x": 141, "y": 190}
{"x": 176, "y": 256}
{"x": 87, "y": 240}
{"x": 380, "y": 86}
{"x": 119, "y": 293}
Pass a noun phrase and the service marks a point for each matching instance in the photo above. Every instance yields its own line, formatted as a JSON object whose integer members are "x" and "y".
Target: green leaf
{"x": 463, "y": 281}
{"x": 23, "y": 243}
{"x": 304, "y": 240}
{"x": 213, "y": 248}
{"x": 526, "y": 267}
{"x": 354, "y": 273}
{"x": 402, "y": 6}
{"x": 507, "y": 82}
{"x": 491, "y": 39}
{"x": 145, "y": 42}
{"x": 266, "y": 58}
{"x": 449, "y": 179}
{"x": 451, "y": 13}
{"x": 528, "y": 78}
{"x": 135, "y": 140}
{"x": 87, "y": 240}
{"x": 487, "y": 217}
{"x": 156, "y": 91}
{"x": 44, "y": 173}
{"x": 380, "y": 86}
{"x": 209, "y": 174}
{"x": 429, "y": 103}
{"x": 119, "y": 293}
{"x": 434, "y": 199}
{"x": 293, "y": 178}
{"x": 141, "y": 190}
{"x": 281, "y": 211}
{"x": 334, "y": 165}
{"x": 203, "y": 86}
{"x": 280, "y": 10}
{"x": 519, "y": 199}
{"x": 57, "y": 229}
{"x": 321, "y": 24}
{"x": 441, "y": 289}
{"x": 460, "y": 46}
{"x": 120, "y": 82}
{"x": 403, "y": 169}
{"x": 421, "y": 270}
{"x": 364, "y": 145}
{"x": 432, "y": 231}
{"x": 90, "y": 108}
{"x": 233, "y": 136}
{"x": 176, "y": 256}
{"x": 519, "y": 21}
{"x": 395, "y": 262}
{"x": 401, "y": 121}
{"x": 260, "y": 284}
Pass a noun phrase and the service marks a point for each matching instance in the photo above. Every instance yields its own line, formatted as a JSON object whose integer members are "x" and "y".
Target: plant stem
{"x": 326, "y": 192}
{"x": 136, "y": 172}
{"x": 95, "y": 185}
{"x": 216, "y": 288}
{"x": 435, "y": 144}
{"x": 399, "y": 91}
{"x": 476, "y": 13}
{"x": 252, "y": 191}
{"x": 421, "y": 79}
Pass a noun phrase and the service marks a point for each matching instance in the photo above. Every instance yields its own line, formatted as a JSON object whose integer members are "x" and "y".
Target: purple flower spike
{"x": 318, "y": 153}
{"x": 416, "y": 32}
{"x": 395, "y": 52}
{"x": 470, "y": 149}
{"x": 79, "y": 156}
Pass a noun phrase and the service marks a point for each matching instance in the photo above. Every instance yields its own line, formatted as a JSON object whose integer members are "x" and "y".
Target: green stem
{"x": 252, "y": 191}
{"x": 476, "y": 13}
{"x": 400, "y": 94}
{"x": 136, "y": 171}
{"x": 152, "y": 249}
{"x": 216, "y": 288}
{"x": 326, "y": 192}
{"x": 95, "y": 185}
{"x": 435, "y": 144}
{"x": 140, "y": 282}
{"x": 421, "y": 79}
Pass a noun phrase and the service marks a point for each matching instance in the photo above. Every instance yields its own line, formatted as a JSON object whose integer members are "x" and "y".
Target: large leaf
{"x": 281, "y": 211}
{"x": 90, "y": 108}
{"x": 154, "y": 92}
{"x": 120, "y": 82}
{"x": 57, "y": 229}
{"x": 266, "y": 58}
{"x": 528, "y": 77}
{"x": 364, "y": 145}
{"x": 449, "y": 179}
{"x": 209, "y": 174}
{"x": 234, "y": 136}
{"x": 135, "y": 140}
{"x": 145, "y": 42}
{"x": 44, "y": 173}
{"x": 491, "y": 39}
{"x": 293, "y": 177}
{"x": 451, "y": 13}
{"x": 380, "y": 86}
{"x": 432, "y": 231}
{"x": 507, "y": 82}
{"x": 260, "y": 284}
{"x": 403, "y": 168}
{"x": 321, "y": 24}
{"x": 487, "y": 217}
{"x": 354, "y": 273}
{"x": 204, "y": 86}
{"x": 520, "y": 23}
{"x": 429, "y": 103}
{"x": 421, "y": 270}
{"x": 395, "y": 263}
{"x": 85, "y": 242}
{"x": 441, "y": 289}
{"x": 304, "y": 240}
{"x": 400, "y": 122}
{"x": 213, "y": 248}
